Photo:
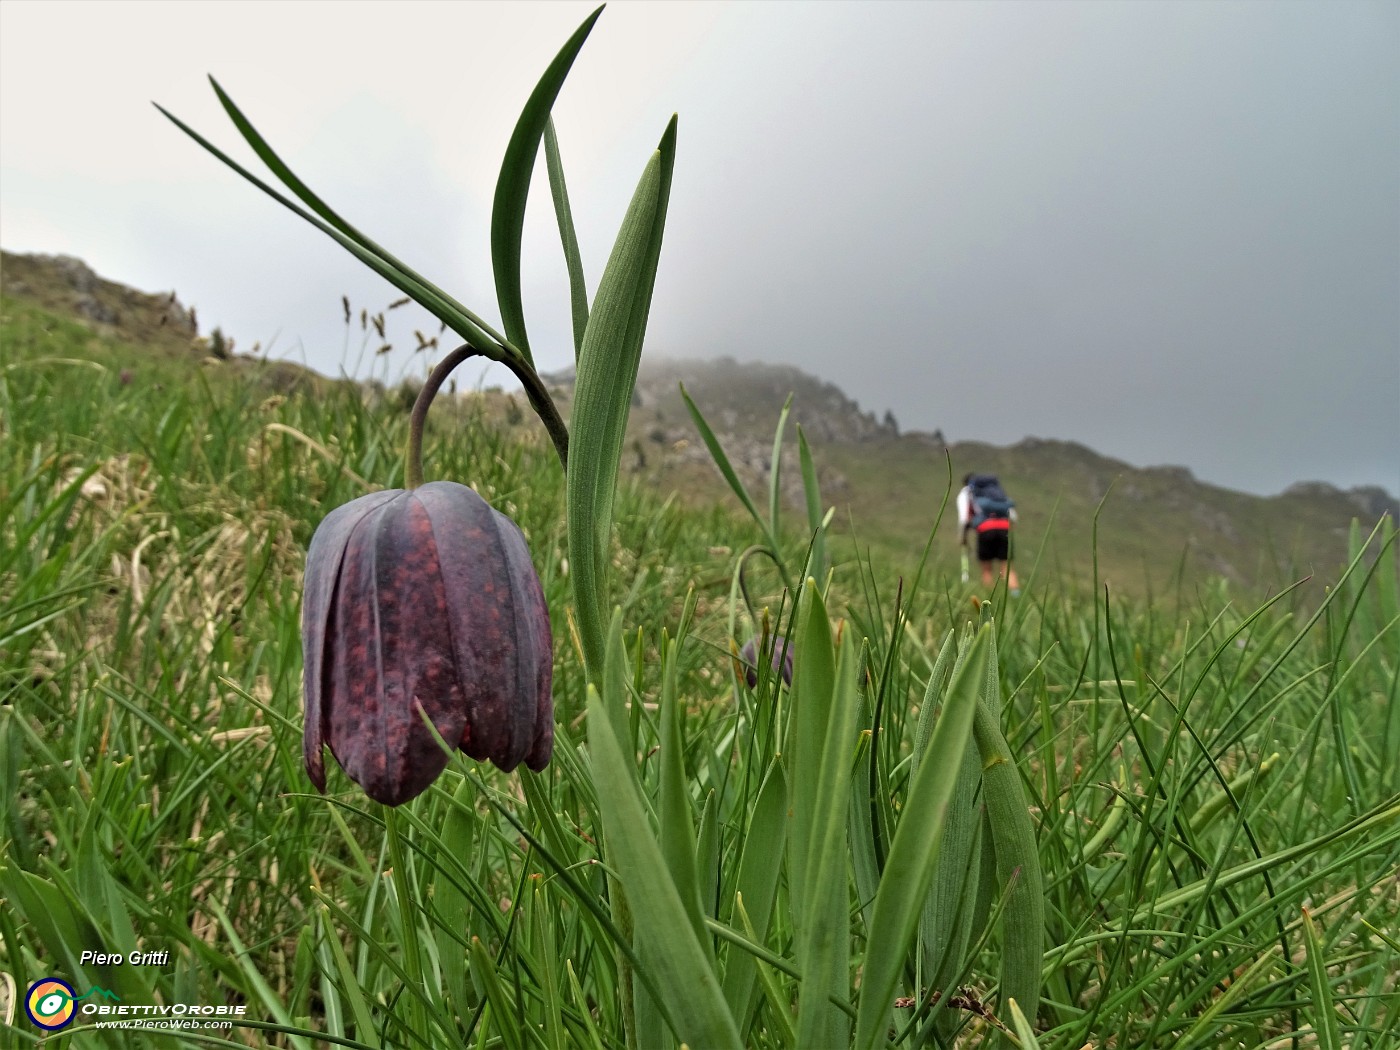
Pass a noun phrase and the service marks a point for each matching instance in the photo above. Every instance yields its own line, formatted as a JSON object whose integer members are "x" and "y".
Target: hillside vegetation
{"x": 1151, "y": 530}
{"x": 1066, "y": 820}
{"x": 1159, "y": 530}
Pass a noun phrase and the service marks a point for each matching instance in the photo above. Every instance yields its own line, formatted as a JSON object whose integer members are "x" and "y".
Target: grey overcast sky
{"x": 1169, "y": 231}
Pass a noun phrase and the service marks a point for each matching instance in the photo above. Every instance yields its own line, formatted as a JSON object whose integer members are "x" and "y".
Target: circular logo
{"x": 50, "y": 1003}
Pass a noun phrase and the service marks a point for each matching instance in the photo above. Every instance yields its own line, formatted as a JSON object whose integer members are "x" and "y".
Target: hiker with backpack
{"x": 984, "y": 508}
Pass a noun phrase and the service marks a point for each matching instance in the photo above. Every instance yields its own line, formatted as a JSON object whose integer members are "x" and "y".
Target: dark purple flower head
{"x": 781, "y": 658}
{"x": 423, "y": 598}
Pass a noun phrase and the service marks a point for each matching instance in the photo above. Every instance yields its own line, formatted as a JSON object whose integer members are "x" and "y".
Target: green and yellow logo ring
{"x": 49, "y": 1003}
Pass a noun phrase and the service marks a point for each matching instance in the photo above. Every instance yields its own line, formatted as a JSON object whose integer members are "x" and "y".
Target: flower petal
{"x": 499, "y": 624}
{"x": 323, "y": 561}
{"x": 394, "y": 657}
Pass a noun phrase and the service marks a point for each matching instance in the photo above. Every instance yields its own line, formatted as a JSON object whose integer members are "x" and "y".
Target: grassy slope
{"x": 1158, "y": 528}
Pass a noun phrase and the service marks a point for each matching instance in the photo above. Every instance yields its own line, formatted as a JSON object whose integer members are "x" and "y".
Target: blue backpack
{"x": 989, "y": 499}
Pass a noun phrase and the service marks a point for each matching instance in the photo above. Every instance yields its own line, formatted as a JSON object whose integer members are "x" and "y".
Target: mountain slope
{"x": 1157, "y": 527}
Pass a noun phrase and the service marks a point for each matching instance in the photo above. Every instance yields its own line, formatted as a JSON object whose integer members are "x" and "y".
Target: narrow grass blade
{"x": 507, "y": 1024}
{"x": 949, "y": 911}
{"x": 865, "y": 863}
{"x": 581, "y": 1004}
{"x": 1240, "y": 986}
{"x": 449, "y": 903}
{"x": 350, "y": 987}
{"x": 59, "y": 921}
{"x": 1022, "y": 1027}
{"x": 775, "y": 489}
{"x": 269, "y": 999}
{"x": 726, "y": 469}
{"x": 816, "y": 563}
{"x": 1324, "y": 1011}
{"x": 1370, "y": 826}
{"x": 777, "y": 1003}
{"x": 513, "y": 186}
{"x": 543, "y": 943}
{"x": 707, "y": 860}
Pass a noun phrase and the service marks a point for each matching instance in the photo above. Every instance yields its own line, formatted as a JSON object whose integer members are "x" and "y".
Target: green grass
{"x": 1173, "y": 824}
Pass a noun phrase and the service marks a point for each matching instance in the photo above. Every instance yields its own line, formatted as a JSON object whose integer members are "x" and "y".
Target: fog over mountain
{"x": 1167, "y": 231}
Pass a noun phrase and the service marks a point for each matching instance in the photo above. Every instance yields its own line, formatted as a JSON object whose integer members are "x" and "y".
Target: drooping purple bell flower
{"x": 781, "y": 658}
{"x": 423, "y": 599}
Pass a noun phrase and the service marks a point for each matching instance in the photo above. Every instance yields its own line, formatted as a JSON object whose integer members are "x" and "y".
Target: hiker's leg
{"x": 988, "y": 551}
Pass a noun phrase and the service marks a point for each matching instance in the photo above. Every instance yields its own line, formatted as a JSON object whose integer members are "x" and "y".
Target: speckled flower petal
{"x": 423, "y": 602}
{"x": 393, "y": 657}
{"x": 534, "y": 641}
{"x": 500, "y": 626}
{"x": 323, "y": 560}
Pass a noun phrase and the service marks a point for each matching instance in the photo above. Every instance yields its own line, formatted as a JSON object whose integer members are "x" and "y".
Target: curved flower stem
{"x": 544, "y": 407}
{"x": 743, "y": 585}
{"x": 540, "y": 401}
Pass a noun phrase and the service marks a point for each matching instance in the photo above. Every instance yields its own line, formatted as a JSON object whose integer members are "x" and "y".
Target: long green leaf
{"x": 303, "y": 192}
{"x": 814, "y": 675}
{"x": 760, "y": 865}
{"x": 442, "y": 306}
{"x": 564, "y": 217}
{"x": 822, "y": 927}
{"x": 1017, "y": 858}
{"x": 674, "y": 811}
{"x": 684, "y": 970}
{"x": 278, "y": 167}
{"x": 865, "y": 862}
{"x": 513, "y": 186}
{"x": 607, "y": 372}
{"x": 449, "y": 902}
{"x": 60, "y": 921}
{"x": 542, "y": 943}
{"x": 910, "y": 866}
{"x": 707, "y": 867}
{"x": 948, "y": 923}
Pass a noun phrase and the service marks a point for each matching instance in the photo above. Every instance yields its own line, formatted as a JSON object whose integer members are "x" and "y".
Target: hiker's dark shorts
{"x": 994, "y": 545}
